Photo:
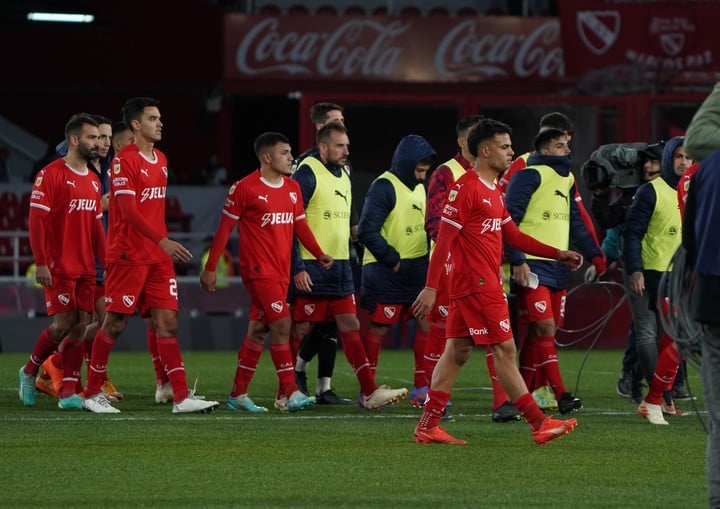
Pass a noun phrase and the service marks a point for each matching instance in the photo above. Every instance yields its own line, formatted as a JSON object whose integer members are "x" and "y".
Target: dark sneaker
{"x": 569, "y": 403}
{"x": 301, "y": 382}
{"x": 330, "y": 398}
{"x": 680, "y": 394}
{"x": 506, "y": 412}
{"x": 624, "y": 385}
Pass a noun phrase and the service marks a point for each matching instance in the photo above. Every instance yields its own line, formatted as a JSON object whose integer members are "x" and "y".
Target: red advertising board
{"x": 390, "y": 49}
{"x": 672, "y": 38}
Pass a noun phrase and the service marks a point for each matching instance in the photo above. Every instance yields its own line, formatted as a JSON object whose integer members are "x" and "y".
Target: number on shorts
{"x": 173, "y": 287}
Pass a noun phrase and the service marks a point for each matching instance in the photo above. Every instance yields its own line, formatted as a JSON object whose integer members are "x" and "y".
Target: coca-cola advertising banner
{"x": 391, "y": 49}
{"x": 673, "y": 37}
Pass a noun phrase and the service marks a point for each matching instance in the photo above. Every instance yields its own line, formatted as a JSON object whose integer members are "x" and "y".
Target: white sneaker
{"x": 281, "y": 403}
{"x": 164, "y": 393}
{"x": 653, "y": 413}
{"x": 384, "y": 395}
{"x": 193, "y": 405}
{"x": 99, "y": 404}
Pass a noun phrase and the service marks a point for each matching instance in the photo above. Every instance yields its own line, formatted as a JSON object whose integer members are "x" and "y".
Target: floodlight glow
{"x": 60, "y": 17}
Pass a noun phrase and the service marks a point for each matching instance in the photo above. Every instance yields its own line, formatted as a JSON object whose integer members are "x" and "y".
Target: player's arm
{"x": 585, "y": 236}
{"x": 208, "y": 277}
{"x": 36, "y": 227}
{"x": 528, "y": 244}
{"x": 437, "y": 192}
{"x": 380, "y": 200}
{"x": 447, "y": 233}
{"x": 99, "y": 240}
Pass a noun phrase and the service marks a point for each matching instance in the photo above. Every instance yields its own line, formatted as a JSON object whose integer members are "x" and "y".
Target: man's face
{"x": 559, "y": 146}
{"x": 88, "y": 143}
{"x": 681, "y": 161}
{"x": 149, "y": 125}
{"x": 421, "y": 171}
{"x": 335, "y": 116}
{"x": 281, "y": 158}
{"x": 122, "y": 140}
{"x": 104, "y": 139}
{"x": 651, "y": 169}
{"x": 336, "y": 150}
{"x": 500, "y": 152}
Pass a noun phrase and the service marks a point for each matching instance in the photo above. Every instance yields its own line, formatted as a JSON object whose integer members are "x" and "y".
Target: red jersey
{"x": 70, "y": 204}
{"x": 477, "y": 209}
{"x": 684, "y": 186}
{"x": 131, "y": 173}
{"x": 266, "y": 214}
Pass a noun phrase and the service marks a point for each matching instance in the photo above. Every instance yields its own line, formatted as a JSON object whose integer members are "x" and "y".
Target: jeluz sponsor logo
{"x": 152, "y": 193}
{"x": 64, "y": 299}
{"x": 128, "y": 300}
{"x": 277, "y": 218}
{"x": 478, "y": 332}
{"x": 492, "y": 224}
{"x": 80, "y": 204}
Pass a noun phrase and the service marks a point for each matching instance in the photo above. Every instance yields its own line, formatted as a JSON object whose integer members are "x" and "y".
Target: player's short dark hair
{"x": 119, "y": 127}
{"x": 134, "y": 107}
{"x": 557, "y": 120}
{"x": 323, "y": 134}
{"x": 76, "y": 123}
{"x": 466, "y": 123}
{"x": 485, "y": 129}
{"x": 267, "y": 141}
{"x": 101, "y": 120}
{"x": 545, "y": 136}
{"x": 319, "y": 111}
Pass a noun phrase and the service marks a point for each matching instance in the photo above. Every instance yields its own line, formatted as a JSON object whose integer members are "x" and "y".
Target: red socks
{"x": 373, "y": 345}
{"x": 499, "y": 394}
{"x": 419, "y": 376}
{"x": 529, "y": 410}
{"x": 72, "y": 359}
{"x": 355, "y": 354}
{"x": 44, "y": 347}
{"x": 548, "y": 364}
{"x": 434, "y": 407}
{"x": 434, "y": 347}
{"x": 174, "y": 366}
{"x": 665, "y": 371}
{"x": 248, "y": 358}
{"x": 283, "y": 360}
{"x": 160, "y": 374}
{"x": 102, "y": 346}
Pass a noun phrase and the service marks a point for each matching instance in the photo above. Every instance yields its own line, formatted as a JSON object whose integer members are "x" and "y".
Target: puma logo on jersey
{"x": 82, "y": 204}
{"x": 559, "y": 193}
{"x": 263, "y": 198}
{"x": 415, "y": 206}
{"x": 145, "y": 172}
{"x": 343, "y": 196}
{"x": 152, "y": 193}
{"x": 70, "y": 183}
{"x": 489, "y": 203}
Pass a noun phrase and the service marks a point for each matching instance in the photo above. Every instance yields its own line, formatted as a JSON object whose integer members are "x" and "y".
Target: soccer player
{"x": 268, "y": 207}
{"x": 327, "y": 198}
{"x": 396, "y": 248}
{"x": 441, "y": 180}
{"x": 474, "y": 224}
{"x": 140, "y": 256}
{"x": 66, "y": 235}
{"x": 540, "y": 201}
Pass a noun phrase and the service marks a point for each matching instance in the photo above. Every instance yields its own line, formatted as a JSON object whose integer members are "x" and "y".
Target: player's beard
{"x": 88, "y": 153}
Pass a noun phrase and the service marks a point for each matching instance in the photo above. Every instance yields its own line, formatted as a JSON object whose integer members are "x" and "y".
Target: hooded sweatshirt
{"x": 379, "y": 282}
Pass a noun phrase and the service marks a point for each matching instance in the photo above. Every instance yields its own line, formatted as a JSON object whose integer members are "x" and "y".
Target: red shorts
{"x": 439, "y": 311}
{"x": 268, "y": 300}
{"x": 70, "y": 294}
{"x": 389, "y": 314}
{"x": 482, "y": 316}
{"x": 322, "y": 309}
{"x": 540, "y": 303}
{"x": 146, "y": 287}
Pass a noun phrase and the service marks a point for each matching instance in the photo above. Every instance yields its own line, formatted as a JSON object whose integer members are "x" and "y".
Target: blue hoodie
{"x": 643, "y": 205}
{"x": 522, "y": 186}
{"x": 379, "y": 282}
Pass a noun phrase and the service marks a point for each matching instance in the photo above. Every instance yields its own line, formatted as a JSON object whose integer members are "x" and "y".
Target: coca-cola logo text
{"x": 463, "y": 52}
{"x": 339, "y": 52}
